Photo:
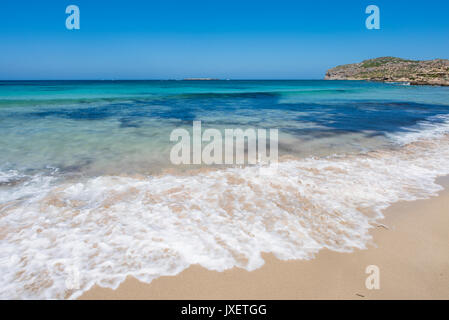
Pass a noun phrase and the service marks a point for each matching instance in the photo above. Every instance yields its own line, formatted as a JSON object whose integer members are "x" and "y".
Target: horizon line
{"x": 187, "y": 80}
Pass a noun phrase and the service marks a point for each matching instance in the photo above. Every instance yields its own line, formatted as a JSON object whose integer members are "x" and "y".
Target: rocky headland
{"x": 391, "y": 69}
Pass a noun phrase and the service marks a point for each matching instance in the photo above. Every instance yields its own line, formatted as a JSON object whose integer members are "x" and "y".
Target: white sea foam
{"x": 109, "y": 227}
{"x": 432, "y": 128}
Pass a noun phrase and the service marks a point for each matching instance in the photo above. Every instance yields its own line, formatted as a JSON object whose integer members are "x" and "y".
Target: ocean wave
{"x": 434, "y": 127}
{"x": 100, "y": 230}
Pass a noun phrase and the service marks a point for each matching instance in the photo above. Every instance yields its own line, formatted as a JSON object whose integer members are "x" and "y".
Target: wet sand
{"x": 410, "y": 247}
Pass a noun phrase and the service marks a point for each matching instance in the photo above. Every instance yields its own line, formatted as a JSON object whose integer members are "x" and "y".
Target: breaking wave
{"x": 58, "y": 232}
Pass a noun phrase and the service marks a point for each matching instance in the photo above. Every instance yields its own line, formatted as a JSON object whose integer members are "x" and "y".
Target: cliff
{"x": 391, "y": 69}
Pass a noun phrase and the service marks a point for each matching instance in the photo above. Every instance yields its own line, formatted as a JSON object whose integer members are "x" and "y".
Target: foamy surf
{"x": 59, "y": 237}
{"x": 434, "y": 127}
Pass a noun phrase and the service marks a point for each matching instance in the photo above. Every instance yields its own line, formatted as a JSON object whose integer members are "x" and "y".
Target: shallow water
{"x": 87, "y": 190}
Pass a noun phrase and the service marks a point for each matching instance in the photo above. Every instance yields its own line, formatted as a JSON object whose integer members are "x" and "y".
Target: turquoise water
{"x": 114, "y": 127}
{"x": 88, "y": 195}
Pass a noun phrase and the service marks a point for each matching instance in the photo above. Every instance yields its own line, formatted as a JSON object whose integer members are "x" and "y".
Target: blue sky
{"x": 245, "y": 39}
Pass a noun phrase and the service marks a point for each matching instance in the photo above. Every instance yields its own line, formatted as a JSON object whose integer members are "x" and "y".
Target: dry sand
{"x": 411, "y": 249}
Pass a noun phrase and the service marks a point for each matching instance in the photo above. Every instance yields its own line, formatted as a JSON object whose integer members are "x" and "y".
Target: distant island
{"x": 390, "y": 69}
{"x": 200, "y": 79}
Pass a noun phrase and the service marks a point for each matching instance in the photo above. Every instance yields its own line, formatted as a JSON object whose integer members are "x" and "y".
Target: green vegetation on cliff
{"x": 392, "y": 69}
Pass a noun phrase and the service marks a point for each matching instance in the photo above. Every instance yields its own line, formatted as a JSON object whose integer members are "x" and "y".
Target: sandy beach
{"x": 410, "y": 247}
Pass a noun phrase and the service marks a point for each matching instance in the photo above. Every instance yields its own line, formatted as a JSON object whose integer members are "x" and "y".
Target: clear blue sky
{"x": 244, "y": 39}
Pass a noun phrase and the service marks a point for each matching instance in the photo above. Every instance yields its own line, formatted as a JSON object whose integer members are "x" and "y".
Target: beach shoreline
{"x": 90, "y": 194}
{"x": 409, "y": 246}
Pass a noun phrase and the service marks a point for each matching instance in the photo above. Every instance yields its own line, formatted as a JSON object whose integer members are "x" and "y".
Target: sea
{"x": 89, "y": 194}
